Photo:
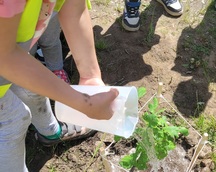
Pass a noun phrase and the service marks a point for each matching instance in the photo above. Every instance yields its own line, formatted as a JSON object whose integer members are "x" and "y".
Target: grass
{"x": 119, "y": 8}
{"x": 201, "y": 46}
{"x": 102, "y": 2}
{"x": 151, "y": 30}
{"x": 52, "y": 169}
{"x": 206, "y": 123}
{"x": 101, "y": 45}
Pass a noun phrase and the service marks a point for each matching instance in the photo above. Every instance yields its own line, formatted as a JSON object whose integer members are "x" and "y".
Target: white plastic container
{"x": 125, "y": 107}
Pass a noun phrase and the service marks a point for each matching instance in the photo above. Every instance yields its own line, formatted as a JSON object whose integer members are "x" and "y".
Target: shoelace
{"x": 132, "y": 8}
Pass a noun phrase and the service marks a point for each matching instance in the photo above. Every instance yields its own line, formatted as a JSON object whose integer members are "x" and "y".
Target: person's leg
{"x": 14, "y": 121}
{"x": 42, "y": 116}
{"x": 130, "y": 18}
{"x": 50, "y": 131}
{"x": 172, "y": 7}
{"x": 33, "y": 50}
{"x": 50, "y": 45}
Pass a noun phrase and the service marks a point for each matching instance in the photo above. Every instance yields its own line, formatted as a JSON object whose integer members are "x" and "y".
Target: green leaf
{"x": 185, "y": 65}
{"x": 171, "y": 145}
{"x": 160, "y": 111}
{"x": 155, "y": 102}
{"x": 151, "y": 119}
{"x": 141, "y": 92}
{"x": 153, "y": 106}
{"x": 127, "y": 162}
{"x": 183, "y": 131}
{"x": 117, "y": 138}
{"x": 173, "y": 131}
{"x": 141, "y": 158}
{"x": 161, "y": 152}
{"x": 162, "y": 121}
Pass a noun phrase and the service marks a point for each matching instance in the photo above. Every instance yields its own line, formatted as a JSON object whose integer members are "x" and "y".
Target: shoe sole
{"x": 55, "y": 142}
{"x": 129, "y": 28}
{"x": 175, "y": 14}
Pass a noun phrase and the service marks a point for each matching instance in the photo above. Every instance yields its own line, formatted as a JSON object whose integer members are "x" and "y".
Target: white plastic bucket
{"x": 125, "y": 107}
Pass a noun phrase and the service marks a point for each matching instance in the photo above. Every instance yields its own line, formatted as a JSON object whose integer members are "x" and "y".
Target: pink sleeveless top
{"x": 9, "y": 8}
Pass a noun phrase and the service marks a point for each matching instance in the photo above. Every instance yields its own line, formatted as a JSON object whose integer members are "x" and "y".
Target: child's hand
{"x": 99, "y": 105}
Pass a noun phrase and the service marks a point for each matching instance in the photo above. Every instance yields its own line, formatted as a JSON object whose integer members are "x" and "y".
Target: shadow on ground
{"x": 196, "y": 58}
{"x": 123, "y": 59}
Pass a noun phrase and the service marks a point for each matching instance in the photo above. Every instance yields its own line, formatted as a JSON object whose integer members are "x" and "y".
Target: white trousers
{"x": 18, "y": 109}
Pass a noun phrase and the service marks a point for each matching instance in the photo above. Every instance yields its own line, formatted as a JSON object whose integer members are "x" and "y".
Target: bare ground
{"x": 180, "y": 52}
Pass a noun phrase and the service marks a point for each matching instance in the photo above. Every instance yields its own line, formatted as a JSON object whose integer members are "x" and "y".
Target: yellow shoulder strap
{"x": 29, "y": 20}
{"x": 3, "y": 89}
{"x": 30, "y": 16}
{"x": 88, "y": 2}
{"x": 59, "y": 4}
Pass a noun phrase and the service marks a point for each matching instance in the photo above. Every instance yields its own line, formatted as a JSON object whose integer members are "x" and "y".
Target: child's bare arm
{"x": 77, "y": 27}
{"x": 19, "y": 67}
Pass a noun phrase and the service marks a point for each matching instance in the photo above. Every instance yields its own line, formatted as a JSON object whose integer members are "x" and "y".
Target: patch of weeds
{"x": 202, "y": 49}
{"x": 210, "y": 6}
{"x": 213, "y": 157}
{"x": 174, "y": 119}
{"x": 212, "y": 32}
{"x": 52, "y": 169}
{"x": 199, "y": 105}
{"x": 101, "y": 45}
{"x": 150, "y": 34}
{"x": 96, "y": 151}
{"x": 119, "y": 8}
{"x": 30, "y": 155}
{"x": 204, "y": 9}
{"x": 151, "y": 29}
{"x": 31, "y": 152}
{"x": 207, "y": 124}
{"x": 186, "y": 18}
{"x": 143, "y": 9}
{"x": 207, "y": 71}
{"x": 192, "y": 64}
{"x": 119, "y": 21}
{"x": 102, "y": 2}
{"x": 198, "y": 48}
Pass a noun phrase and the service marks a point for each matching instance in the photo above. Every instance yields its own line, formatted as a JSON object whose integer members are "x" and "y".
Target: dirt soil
{"x": 180, "y": 52}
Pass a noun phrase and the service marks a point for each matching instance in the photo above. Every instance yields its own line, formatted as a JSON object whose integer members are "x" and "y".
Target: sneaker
{"x": 131, "y": 19}
{"x": 62, "y": 75}
{"x": 173, "y": 7}
{"x": 70, "y": 132}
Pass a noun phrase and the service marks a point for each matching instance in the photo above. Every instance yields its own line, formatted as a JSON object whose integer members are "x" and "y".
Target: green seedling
{"x": 155, "y": 137}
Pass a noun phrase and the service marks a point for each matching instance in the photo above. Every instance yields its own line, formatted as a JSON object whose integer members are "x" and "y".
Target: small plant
{"x": 155, "y": 138}
{"x": 101, "y": 45}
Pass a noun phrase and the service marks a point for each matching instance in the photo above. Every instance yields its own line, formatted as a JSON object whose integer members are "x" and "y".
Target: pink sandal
{"x": 62, "y": 75}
